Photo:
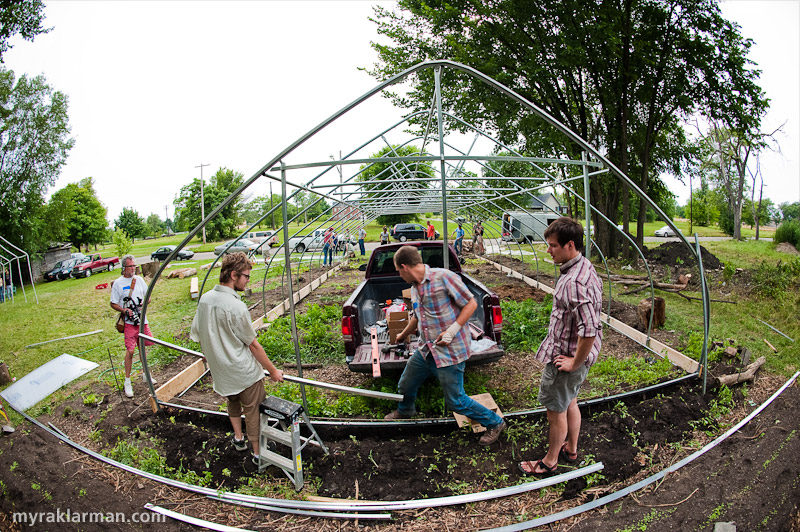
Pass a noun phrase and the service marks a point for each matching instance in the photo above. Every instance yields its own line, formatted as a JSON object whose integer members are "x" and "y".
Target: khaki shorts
{"x": 247, "y": 401}
{"x": 559, "y": 388}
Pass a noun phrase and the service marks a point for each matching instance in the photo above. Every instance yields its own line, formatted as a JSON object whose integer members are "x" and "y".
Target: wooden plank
{"x": 194, "y": 289}
{"x": 179, "y": 382}
{"x": 486, "y": 400}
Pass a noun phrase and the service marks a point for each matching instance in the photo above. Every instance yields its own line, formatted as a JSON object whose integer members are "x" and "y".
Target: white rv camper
{"x": 521, "y": 226}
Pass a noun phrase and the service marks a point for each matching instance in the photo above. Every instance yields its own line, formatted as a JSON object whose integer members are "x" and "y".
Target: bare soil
{"x": 752, "y": 479}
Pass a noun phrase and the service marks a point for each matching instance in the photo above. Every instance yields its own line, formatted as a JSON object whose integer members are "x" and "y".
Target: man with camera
{"x": 127, "y": 294}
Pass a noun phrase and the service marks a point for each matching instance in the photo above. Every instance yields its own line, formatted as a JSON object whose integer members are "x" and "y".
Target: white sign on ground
{"x": 45, "y": 379}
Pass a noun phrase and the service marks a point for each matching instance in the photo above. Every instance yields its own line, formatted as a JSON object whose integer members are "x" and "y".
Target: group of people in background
{"x": 6, "y": 287}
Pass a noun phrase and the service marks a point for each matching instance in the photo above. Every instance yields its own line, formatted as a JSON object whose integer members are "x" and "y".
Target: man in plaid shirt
{"x": 442, "y": 307}
{"x": 571, "y": 346}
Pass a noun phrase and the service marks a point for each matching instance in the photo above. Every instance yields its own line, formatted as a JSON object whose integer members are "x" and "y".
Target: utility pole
{"x": 166, "y": 218}
{"x": 202, "y": 200}
{"x": 272, "y": 226}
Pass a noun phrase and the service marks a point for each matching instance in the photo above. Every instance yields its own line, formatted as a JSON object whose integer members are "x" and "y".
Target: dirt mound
{"x": 674, "y": 253}
{"x": 785, "y": 247}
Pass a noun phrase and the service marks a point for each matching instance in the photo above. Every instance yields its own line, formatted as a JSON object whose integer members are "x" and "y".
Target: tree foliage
{"x": 222, "y": 184}
{"x": 77, "y": 215}
{"x": 122, "y": 243}
{"x": 790, "y": 211}
{"x": 34, "y": 143}
{"x": 154, "y": 225}
{"x": 622, "y": 75}
{"x": 20, "y": 18}
{"x": 131, "y": 223}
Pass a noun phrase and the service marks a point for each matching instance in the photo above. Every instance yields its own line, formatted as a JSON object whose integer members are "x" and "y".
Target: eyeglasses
{"x": 130, "y": 266}
{"x": 244, "y": 275}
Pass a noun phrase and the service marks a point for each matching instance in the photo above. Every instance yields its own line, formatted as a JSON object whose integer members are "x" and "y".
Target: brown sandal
{"x": 536, "y": 465}
{"x": 567, "y": 456}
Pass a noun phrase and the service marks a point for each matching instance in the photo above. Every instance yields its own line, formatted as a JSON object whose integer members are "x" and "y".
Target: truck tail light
{"x": 347, "y": 328}
{"x": 497, "y": 318}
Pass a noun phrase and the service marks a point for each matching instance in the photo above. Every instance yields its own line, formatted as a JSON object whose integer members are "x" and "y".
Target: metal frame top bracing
{"x": 428, "y": 161}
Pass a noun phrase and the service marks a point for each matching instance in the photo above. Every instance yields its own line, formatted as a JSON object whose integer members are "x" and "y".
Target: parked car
{"x": 163, "y": 252}
{"x": 76, "y": 255}
{"x": 241, "y": 244}
{"x": 404, "y": 232}
{"x": 665, "y": 231}
{"x": 61, "y": 270}
{"x": 88, "y": 265}
{"x": 259, "y": 236}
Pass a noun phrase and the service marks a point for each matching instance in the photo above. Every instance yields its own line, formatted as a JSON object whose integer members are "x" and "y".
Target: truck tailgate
{"x": 393, "y": 361}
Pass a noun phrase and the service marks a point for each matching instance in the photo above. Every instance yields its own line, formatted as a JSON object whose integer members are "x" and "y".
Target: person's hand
{"x": 448, "y": 334}
{"x": 276, "y": 376}
{"x": 565, "y": 363}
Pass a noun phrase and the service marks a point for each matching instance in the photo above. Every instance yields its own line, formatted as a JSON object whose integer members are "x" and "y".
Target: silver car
{"x": 665, "y": 231}
{"x": 241, "y": 244}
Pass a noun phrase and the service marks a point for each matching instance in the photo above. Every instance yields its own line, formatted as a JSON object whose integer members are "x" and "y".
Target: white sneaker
{"x": 128, "y": 388}
{"x": 152, "y": 379}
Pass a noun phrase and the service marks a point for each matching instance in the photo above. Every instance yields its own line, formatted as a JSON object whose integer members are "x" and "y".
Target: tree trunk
{"x": 659, "y": 313}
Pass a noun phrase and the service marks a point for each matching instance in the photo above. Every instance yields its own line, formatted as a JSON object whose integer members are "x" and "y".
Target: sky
{"x": 157, "y": 89}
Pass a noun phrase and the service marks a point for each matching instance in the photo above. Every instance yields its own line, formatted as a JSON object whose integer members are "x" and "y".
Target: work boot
{"x": 128, "y": 388}
{"x": 395, "y": 414}
{"x": 491, "y": 435}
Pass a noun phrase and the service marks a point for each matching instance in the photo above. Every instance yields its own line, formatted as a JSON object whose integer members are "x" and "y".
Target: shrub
{"x": 788, "y": 231}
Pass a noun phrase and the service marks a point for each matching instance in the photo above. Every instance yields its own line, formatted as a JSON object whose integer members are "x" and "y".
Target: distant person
{"x": 127, "y": 296}
{"x": 327, "y": 247}
{"x": 236, "y": 360}
{"x": 442, "y": 307}
{"x": 459, "y": 242}
{"x": 2, "y": 288}
{"x": 571, "y": 346}
{"x": 362, "y": 234}
{"x": 385, "y": 236}
{"x": 477, "y": 238}
{"x": 9, "y": 285}
{"x": 431, "y": 231}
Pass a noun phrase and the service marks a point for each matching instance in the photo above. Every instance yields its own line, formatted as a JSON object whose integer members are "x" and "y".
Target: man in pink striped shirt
{"x": 571, "y": 346}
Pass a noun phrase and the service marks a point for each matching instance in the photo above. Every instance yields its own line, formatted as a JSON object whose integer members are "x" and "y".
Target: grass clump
{"x": 525, "y": 323}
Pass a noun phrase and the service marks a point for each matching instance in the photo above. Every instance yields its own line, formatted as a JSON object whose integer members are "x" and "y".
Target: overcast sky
{"x": 157, "y": 88}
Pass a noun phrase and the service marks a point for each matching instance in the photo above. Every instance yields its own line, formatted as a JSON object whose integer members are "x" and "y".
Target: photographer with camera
{"x": 127, "y": 295}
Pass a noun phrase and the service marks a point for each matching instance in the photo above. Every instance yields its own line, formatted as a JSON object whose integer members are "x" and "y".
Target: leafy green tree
{"x": 395, "y": 193}
{"x": 80, "y": 215}
{"x": 20, "y": 18}
{"x": 131, "y": 223}
{"x": 702, "y": 209}
{"x": 154, "y": 225}
{"x": 622, "y": 75}
{"x": 34, "y": 143}
{"x": 187, "y": 205}
{"x": 122, "y": 243}
{"x": 790, "y": 211}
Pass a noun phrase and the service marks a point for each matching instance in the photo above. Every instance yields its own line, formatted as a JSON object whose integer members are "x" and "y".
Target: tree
{"x": 131, "y": 223}
{"x": 790, "y": 211}
{"x": 395, "y": 192}
{"x": 704, "y": 211}
{"x": 20, "y": 18}
{"x": 81, "y": 217}
{"x": 34, "y": 143}
{"x": 154, "y": 225}
{"x": 260, "y": 205}
{"x": 223, "y": 184}
{"x": 122, "y": 243}
{"x": 622, "y": 75}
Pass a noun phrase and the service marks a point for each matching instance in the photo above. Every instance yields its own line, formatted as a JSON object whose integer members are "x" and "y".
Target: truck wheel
{"x": 403, "y": 238}
{"x": 300, "y": 248}
{"x": 110, "y": 266}
{"x": 88, "y": 272}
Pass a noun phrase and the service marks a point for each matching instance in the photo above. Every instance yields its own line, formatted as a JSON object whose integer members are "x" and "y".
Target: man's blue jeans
{"x": 458, "y": 245}
{"x": 361, "y": 246}
{"x": 451, "y": 379}
{"x": 326, "y": 252}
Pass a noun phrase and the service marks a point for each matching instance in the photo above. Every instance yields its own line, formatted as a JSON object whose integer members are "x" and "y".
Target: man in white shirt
{"x": 127, "y": 295}
{"x": 236, "y": 360}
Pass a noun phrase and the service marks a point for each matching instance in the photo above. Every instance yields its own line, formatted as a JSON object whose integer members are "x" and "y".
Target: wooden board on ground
{"x": 179, "y": 382}
{"x": 486, "y": 400}
{"x": 194, "y": 289}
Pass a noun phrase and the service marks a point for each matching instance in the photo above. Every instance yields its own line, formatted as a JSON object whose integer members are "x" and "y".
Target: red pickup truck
{"x": 362, "y": 311}
{"x": 93, "y": 263}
